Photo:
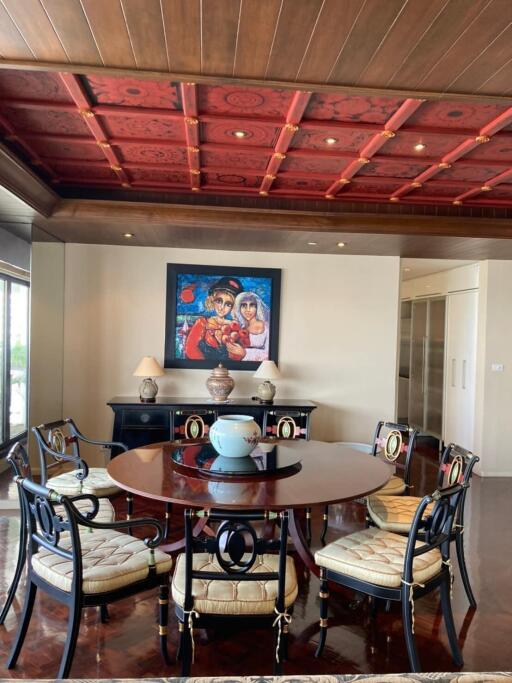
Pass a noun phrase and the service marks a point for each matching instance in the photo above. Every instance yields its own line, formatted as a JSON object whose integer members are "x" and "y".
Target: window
{"x": 13, "y": 358}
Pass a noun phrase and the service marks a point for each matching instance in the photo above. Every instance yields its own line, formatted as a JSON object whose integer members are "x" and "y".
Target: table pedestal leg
{"x": 300, "y": 543}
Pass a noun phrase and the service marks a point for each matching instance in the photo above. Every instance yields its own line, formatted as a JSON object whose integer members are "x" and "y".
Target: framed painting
{"x": 217, "y": 314}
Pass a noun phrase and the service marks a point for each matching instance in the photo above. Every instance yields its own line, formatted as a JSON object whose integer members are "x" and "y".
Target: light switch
{"x": 497, "y": 367}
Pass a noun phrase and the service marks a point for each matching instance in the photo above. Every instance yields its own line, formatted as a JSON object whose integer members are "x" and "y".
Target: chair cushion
{"x": 232, "y": 596}
{"x": 394, "y": 487}
{"x": 394, "y": 513}
{"x": 377, "y": 557}
{"x": 110, "y": 559}
{"x": 97, "y": 482}
{"x": 105, "y": 514}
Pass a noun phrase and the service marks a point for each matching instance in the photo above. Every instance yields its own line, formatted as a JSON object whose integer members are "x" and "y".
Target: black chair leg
{"x": 448, "y": 620}
{"x": 308, "y": 526}
{"x": 325, "y": 524}
{"x": 459, "y": 544}
{"x": 185, "y": 650}
{"x": 410, "y": 642}
{"x": 163, "y": 618}
{"x": 324, "y": 603}
{"x": 104, "y": 614}
{"x": 129, "y": 508}
{"x": 75, "y": 612}
{"x": 20, "y": 564}
{"x": 277, "y": 668}
{"x": 168, "y": 513}
{"x": 24, "y": 622}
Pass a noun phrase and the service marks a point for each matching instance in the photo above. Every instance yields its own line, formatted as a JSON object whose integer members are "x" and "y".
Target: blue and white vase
{"x": 234, "y": 436}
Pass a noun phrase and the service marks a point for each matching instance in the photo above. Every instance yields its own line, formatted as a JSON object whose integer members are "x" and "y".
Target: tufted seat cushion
{"x": 105, "y": 514}
{"x": 394, "y": 513}
{"x": 394, "y": 487}
{"x": 97, "y": 482}
{"x": 110, "y": 560}
{"x": 232, "y": 596}
{"x": 377, "y": 557}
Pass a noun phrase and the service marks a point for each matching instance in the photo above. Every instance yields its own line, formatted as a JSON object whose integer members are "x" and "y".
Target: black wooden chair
{"x": 394, "y": 443}
{"x": 234, "y": 574}
{"x": 396, "y": 513}
{"x": 389, "y": 566}
{"x": 86, "y": 569}
{"x": 18, "y": 459}
{"x": 59, "y": 442}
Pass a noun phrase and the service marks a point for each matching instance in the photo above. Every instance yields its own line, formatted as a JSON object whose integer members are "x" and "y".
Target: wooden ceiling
{"x": 444, "y": 46}
{"x": 456, "y": 55}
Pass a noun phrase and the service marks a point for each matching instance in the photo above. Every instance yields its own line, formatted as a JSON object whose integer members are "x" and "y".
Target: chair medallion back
{"x": 456, "y": 467}
{"x": 59, "y": 442}
{"x": 394, "y": 442}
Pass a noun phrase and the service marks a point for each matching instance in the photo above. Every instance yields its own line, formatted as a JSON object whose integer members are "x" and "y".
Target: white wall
{"x": 338, "y": 333}
{"x": 46, "y": 335}
{"x": 494, "y": 402}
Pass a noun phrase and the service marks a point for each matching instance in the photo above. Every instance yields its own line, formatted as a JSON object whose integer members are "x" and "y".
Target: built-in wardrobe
{"x": 437, "y": 357}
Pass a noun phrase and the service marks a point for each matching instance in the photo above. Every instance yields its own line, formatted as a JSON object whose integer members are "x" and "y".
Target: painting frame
{"x": 175, "y": 270}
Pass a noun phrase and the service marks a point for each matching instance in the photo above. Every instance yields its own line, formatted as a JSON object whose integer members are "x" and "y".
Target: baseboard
{"x": 495, "y": 473}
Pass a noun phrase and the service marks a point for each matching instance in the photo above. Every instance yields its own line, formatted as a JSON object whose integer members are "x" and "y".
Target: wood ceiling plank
{"x": 363, "y": 41}
{"x": 331, "y": 31}
{"x": 37, "y": 30}
{"x": 440, "y": 36}
{"x": 182, "y": 25}
{"x": 400, "y": 41}
{"x": 12, "y": 43}
{"x": 498, "y": 54}
{"x": 258, "y": 19}
{"x": 295, "y": 27}
{"x": 219, "y": 30}
{"x": 146, "y": 31}
{"x": 499, "y": 82}
{"x": 109, "y": 29}
{"x": 70, "y": 24}
{"x": 481, "y": 36}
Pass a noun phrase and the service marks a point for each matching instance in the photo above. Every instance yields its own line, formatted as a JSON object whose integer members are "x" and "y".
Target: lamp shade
{"x": 267, "y": 370}
{"x": 149, "y": 367}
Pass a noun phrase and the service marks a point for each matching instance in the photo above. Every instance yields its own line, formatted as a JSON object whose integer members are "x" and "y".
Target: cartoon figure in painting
{"x": 253, "y": 316}
{"x": 216, "y": 336}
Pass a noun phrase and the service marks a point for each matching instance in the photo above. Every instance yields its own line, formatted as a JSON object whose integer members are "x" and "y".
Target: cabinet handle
{"x": 463, "y": 374}
{"x": 453, "y": 372}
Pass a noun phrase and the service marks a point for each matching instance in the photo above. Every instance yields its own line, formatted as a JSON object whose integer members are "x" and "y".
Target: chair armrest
{"x": 107, "y": 444}
{"x": 92, "y": 499}
{"x": 126, "y": 524}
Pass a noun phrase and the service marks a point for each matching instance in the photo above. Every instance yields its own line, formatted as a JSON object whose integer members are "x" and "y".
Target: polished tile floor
{"x": 357, "y": 643}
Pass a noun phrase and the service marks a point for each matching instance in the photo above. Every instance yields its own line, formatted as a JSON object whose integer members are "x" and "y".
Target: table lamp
{"x": 266, "y": 390}
{"x": 148, "y": 368}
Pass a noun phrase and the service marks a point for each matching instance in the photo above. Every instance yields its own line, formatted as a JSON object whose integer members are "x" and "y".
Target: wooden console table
{"x": 139, "y": 424}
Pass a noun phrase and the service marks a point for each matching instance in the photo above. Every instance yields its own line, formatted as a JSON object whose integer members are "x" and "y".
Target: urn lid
{"x": 220, "y": 371}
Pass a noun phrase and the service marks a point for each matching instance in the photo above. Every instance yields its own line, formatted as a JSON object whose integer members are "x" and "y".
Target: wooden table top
{"x": 330, "y": 473}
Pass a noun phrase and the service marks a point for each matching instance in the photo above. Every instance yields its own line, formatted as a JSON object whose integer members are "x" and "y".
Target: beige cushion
{"x": 394, "y": 513}
{"x": 394, "y": 487}
{"x": 97, "y": 482}
{"x": 376, "y": 556}
{"x": 233, "y": 597}
{"x": 105, "y": 514}
{"x": 110, "y": 559}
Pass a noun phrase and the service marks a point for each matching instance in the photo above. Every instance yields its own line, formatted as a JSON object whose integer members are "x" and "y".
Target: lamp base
{"x": 147, "y": 400}
{"x": 266, "y": 392}
{"x": 265, "y": 401}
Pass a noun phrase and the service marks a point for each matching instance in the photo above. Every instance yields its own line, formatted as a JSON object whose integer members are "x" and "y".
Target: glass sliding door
{"x": 13, "y": 358}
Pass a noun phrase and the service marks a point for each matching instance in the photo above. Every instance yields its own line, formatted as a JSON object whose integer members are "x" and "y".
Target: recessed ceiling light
{"x": 240, "y": 134}
{"x": 419, "y": 146}
{"x": 330, "y": 141}
{"x": 312, "y": 244}
{"x": 342, "y": 244}
{"x": 128, "y": 235}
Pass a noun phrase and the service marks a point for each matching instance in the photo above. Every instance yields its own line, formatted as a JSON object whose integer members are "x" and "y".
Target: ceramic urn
{"x": 234, "y": 436}
{"x": 220, "y": 383}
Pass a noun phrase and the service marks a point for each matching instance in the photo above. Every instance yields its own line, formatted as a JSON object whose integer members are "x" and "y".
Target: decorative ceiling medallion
{"x": 393, "y": 445}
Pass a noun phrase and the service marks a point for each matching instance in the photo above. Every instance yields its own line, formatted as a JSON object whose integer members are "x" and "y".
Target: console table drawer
{"x": 146, "y": 418}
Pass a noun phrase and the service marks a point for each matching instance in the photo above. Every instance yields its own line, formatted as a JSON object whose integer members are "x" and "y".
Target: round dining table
{"x": 288, "y": 475}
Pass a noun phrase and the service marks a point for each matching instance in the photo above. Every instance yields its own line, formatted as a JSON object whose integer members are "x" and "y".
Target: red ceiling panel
{"x": 344, "y": 108}
{"x": 223, "y": 139}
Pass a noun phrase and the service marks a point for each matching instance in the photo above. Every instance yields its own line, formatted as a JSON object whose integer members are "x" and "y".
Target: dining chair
{"x": 396, "y": 513}
{"x": 86, "y": 569}
{"x": 234, "y": 575}
{"x": 59, "y": 442}
{"x": 20, "y": 464}
{"x": 393, "y": 442}
{"x": 393, "y": 567}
